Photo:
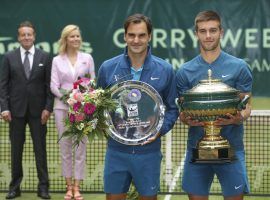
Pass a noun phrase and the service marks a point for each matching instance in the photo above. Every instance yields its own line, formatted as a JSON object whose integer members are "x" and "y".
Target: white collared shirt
{"x": 30, "y": 55}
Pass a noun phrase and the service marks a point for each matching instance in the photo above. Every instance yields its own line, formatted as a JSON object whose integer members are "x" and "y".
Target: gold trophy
{"x": 207, "y": 101}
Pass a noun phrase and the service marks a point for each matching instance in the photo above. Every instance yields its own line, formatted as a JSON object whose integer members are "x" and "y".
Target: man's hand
{"x": 45, "y": 115}
{"x": 189, "y": 121}
{"x": 239, "y": 117}
{"x": 231, "y": 119}
{"x": 151, "y": 139}
{"x": 6, "y": 116}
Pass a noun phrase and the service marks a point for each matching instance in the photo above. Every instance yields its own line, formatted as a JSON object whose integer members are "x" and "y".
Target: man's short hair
{"x": 205, "y": 16}
{"x": 136, "y": 19}
{"x": 26, "y": 24}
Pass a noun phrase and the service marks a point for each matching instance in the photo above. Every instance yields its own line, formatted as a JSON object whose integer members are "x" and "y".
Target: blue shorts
{"x": 121, "y": 168}
{"x": 197, "y": 178}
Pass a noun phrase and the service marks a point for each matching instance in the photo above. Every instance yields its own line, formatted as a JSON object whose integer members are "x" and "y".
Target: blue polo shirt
{"x": 156, "y": 72}
{"x": 136, "y": 73}
{"x": 233, "y": 72}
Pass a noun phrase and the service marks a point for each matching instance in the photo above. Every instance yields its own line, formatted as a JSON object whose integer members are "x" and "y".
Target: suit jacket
{"x": 62, "y": 76}
{"x": 17, "y": 93}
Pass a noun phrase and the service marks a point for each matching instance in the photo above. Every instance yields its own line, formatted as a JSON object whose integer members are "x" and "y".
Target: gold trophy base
{"x": 215, "y": 156}
{"x": 213, "y": 148}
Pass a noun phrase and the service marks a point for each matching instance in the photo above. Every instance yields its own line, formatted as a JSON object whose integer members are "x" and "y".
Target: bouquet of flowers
{"x": 87, "y": 105}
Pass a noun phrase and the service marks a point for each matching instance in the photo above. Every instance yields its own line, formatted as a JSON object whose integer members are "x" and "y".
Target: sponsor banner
{"x": 245, "y": 23}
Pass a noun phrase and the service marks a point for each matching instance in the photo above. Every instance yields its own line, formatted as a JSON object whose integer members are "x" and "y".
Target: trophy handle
{"x": 243, "y": 103}
{"x": 179, "y": 104}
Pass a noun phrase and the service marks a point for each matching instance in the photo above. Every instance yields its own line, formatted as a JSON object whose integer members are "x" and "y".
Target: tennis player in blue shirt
{"x": 197, "y": 178}
{"x": 140, "y": 163}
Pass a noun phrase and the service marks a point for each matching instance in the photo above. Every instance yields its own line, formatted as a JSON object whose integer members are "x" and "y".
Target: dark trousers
{"x": 17, "y": 139}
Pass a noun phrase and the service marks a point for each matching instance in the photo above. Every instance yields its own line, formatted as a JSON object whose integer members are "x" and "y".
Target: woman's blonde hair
{"x": 63, "y": 39}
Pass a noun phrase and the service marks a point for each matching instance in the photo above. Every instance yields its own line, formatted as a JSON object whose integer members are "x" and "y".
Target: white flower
{"x": 94, "y": 123}
{"x": 80, "y": 126}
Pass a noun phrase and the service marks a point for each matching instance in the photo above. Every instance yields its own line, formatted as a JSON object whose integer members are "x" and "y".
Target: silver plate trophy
{"x": 139, "y": 114}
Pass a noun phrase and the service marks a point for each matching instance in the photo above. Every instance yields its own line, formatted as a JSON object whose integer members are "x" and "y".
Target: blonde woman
{"x": 70, "y": 64}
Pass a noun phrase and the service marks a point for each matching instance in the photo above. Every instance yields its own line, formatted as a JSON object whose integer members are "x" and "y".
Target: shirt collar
{"x": 31, "y": 50}
{"x": 219, "y": 58}
{"x": 134, "y": 70}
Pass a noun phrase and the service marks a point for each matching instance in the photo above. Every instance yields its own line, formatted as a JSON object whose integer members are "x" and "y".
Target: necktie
{"x": 26, "y": 64}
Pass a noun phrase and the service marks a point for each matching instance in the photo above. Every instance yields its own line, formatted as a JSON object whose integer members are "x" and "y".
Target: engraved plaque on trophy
{"x": 139, "y": 114}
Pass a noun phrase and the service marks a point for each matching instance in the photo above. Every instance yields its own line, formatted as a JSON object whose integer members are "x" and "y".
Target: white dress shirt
{"x": 30, "y": 55}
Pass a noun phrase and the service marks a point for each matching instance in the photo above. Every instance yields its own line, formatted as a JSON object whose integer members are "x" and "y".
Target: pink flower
{"x": 89, "y": 108}
{"x": 79, "y": 117}
{"x": 72, "y": 118}
{"x": 92, "y": 93}
{"x": 71, "y": 101}
{"x": 76, "y": 84}
{"x": 91, "y": 90}
{"x": 85, "y": 81}
{"x": 78, "y": 96}
{"x": 77, "y": 106}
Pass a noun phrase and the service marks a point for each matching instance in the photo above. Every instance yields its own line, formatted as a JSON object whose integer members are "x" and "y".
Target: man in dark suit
{"x": 25, "y": 98}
